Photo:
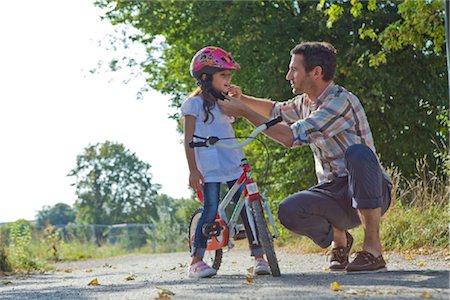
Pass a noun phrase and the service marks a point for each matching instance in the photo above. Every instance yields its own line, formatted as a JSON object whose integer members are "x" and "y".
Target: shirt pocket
{"x": 208, "y": 160}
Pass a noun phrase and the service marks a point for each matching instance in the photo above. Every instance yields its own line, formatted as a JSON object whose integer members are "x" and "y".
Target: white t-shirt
{"x": 214, "y": 163}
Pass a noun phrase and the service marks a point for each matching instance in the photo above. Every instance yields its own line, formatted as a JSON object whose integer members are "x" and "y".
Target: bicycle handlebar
{"x": 215, "y": 141}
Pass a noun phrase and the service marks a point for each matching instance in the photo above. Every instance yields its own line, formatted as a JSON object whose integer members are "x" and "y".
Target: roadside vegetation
{"x": 417, "y": 222}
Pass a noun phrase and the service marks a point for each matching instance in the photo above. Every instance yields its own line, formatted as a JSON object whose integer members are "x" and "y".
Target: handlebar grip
{"x": 274, "y": 121}
{"x": 197, "y": 144}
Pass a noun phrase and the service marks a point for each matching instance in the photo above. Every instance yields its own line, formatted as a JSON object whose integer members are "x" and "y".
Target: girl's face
{"x": 222, "y": 80}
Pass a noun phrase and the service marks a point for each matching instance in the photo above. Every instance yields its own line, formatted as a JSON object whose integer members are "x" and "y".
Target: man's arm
{"x": 261, "y": 106}
{"x": 281, "y": 132}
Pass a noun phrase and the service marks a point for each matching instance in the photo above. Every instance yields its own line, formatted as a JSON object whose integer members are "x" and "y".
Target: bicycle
{"x": 222, "y": 230}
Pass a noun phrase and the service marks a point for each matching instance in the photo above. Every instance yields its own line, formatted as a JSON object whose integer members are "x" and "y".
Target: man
{"x": 352, "y": 188}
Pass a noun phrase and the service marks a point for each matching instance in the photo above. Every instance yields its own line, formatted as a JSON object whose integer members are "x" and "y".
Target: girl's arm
{"x": 195, "y": 177}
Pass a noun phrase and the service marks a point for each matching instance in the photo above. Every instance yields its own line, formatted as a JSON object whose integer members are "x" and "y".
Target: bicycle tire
{"x": 265, "y": 238}
{"x": 215, "y": 257}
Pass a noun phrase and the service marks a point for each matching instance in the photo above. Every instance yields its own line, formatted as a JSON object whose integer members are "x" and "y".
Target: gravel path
{"x": 303, "y": 277}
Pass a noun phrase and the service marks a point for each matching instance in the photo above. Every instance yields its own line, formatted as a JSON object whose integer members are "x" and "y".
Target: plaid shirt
{"x": 335, "y": 121}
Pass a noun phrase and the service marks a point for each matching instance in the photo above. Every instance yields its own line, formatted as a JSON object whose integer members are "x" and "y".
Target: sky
{"x": 51, "y": 107}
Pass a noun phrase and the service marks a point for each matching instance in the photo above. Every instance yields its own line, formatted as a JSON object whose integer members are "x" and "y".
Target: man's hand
{"x": 235, "y": 92}
{"x": 233, "y": 107}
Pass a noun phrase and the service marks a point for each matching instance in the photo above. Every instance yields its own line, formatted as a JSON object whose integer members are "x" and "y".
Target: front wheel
{"x": 265, "y": 238}
{"x": 213, "y": 257}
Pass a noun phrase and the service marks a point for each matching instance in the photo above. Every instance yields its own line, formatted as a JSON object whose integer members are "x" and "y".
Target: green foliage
{"x": 171, "y": 231}
{"x": 389, "y": 55}
{"x": 52, "y": 240}
{"x": 113, "y": 186}
{"x": 19, "y": 243}
{"x": 59, "y": 214}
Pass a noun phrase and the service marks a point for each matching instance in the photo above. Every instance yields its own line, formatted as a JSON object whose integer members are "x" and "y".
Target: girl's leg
{"x": 210, "y": 204}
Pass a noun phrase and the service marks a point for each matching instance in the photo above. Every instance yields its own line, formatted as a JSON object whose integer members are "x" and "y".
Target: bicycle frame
{"x": 249, "y": 195}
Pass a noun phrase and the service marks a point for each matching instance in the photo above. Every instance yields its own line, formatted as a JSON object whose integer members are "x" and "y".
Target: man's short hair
{"x": 321, "y": 54}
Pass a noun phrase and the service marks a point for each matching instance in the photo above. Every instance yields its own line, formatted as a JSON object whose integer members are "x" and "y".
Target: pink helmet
{"x": 210, "y": 60}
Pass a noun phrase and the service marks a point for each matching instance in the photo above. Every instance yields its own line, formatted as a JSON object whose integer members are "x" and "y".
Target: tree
{"x": 59, "y": 214}
{"x": 113, "y": 186}
{"x": 403, "y": 88}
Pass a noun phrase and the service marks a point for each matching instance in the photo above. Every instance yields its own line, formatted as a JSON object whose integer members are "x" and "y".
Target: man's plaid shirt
{"x": 335, "y": 121}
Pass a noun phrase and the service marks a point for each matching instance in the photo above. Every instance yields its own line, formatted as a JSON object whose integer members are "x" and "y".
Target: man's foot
{"x": 366, "y": 262}
{"x": 261, "y": 267}
{"x": 201, "y": 270}
{"x": 339, "y": 255}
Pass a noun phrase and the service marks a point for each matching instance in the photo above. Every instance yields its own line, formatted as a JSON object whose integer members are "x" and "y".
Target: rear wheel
{"x": 213, "y": 257}
{"x": 265, "y": 238}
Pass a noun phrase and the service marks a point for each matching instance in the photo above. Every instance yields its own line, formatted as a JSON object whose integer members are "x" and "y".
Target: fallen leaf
{"x": 94, "y": 282}
{"x": 164, "y": 294}
{"x": 421, "y": 263}
{"x": 250, "y": 270}
{"x": 425, "y": 295}
{"x": 326, "y": 269}
{"x": 64, "y": 270}
{"x": 130, "y": 277}
{"x": 7, "y": 282}
{"x": 88, "y": 271}
{"x": 336, "y": 286}
{"x": 249, "y": 279}
{"x": 106, "y": 265}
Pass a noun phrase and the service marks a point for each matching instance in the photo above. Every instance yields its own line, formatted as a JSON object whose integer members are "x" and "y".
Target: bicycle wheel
{"x": 265, "y": 238}
{"x": 214, "y": 257}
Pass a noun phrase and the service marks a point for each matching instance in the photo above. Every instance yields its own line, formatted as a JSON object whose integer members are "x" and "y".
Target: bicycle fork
{"x": 251, "y": 219}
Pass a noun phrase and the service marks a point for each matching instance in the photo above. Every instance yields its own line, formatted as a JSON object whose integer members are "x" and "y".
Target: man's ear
{"x": 203, "y": 77}
{"x": 317, "y": 72}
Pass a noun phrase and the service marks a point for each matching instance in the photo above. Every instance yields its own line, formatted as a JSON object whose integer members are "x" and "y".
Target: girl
{"x": 209, "y": 167}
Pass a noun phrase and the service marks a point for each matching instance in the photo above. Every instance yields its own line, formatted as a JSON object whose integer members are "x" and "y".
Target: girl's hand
{"x": 196, "y": 180}
{"x": 235, "y": 91}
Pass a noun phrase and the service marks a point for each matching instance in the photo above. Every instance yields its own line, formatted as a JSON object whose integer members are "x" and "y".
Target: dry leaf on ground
{"x": 335, "y": 286}
{"x": 130, "y": 277}
{"x": 164, "y": 294}
{"x": 94, "y": 282}
{"x": 425, "y": 295}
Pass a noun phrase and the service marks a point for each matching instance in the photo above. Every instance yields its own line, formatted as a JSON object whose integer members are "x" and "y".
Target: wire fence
{"x": 130, "y": 236}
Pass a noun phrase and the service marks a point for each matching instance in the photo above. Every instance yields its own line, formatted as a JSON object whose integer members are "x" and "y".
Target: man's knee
{"x": 284, "y": 213}
{"x": 358, "y": 153}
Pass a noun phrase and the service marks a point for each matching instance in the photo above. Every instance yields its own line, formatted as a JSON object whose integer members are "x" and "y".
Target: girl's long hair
{"x": 209, "y": 101}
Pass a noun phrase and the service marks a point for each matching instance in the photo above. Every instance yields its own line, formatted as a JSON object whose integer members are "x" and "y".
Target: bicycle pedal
{"x": 210, "y": 230}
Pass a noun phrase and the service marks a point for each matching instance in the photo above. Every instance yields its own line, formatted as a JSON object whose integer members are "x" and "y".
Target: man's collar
{"x": 325, "y": 93}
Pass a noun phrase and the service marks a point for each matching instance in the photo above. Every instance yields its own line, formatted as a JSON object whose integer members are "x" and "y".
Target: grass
{"x": 417, "y": 220}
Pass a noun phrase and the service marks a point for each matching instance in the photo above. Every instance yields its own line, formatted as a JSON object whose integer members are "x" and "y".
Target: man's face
{"x": 301, "y": 81}
{"x": 222, "y": 80}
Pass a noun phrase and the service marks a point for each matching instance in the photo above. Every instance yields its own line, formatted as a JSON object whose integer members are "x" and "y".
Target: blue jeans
{"x": 211, "y": 198}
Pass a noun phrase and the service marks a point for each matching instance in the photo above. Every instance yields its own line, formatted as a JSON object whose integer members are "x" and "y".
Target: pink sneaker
{"x": 261, "y": 267}
{"x": 201, "y": 270}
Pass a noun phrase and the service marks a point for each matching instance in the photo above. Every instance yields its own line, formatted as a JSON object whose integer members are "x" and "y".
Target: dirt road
{"x": 303, "y": 277}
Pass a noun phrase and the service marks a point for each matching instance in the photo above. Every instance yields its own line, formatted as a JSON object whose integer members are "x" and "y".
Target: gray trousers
{"x": 313, "y": 212}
